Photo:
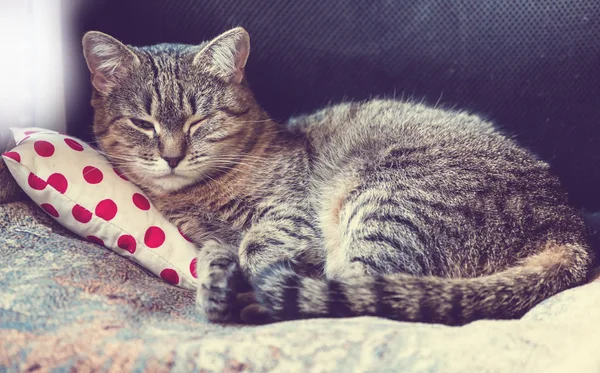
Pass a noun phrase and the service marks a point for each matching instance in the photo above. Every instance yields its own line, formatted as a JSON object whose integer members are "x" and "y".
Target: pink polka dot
{"x": 127, "y": 242}
{"x": 141, "y": 202}
{"x": 154, "y": 237}
{"x": 30, "y": 132}
{"x": 74, "y": 145}
{"x": 13, "y": 155}
{"x": 81, "y": 214}
{"x": 95, "y": 240}
{"x": 35, "y": 182}
{"x": 170, "y": 276}
{"x": 23, "y": 140}
{"x": 92, "y": 175}
{"x": 193, "y": 267}
{"x": 50, "y": 209}
{"x": 120, "y": 174}
{"x": 106, "y": 209}
{"x": 185, "y": 236}
{"x": 58, "y": 182}
{"x": 43, "y": 148}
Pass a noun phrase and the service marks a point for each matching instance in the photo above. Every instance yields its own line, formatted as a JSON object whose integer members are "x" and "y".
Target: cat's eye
{"x": 143, "y": 124}
{"x": 198, "y": 122}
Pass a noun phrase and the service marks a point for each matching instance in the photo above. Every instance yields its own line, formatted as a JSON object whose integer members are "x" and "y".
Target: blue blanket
{"x": 68, "y": 305}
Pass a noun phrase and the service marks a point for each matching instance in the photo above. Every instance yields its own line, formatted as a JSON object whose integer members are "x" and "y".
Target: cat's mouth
{"x": 172, "y": 174}
{"x": 168, "y": 180}
{"x": 171, "y": 181}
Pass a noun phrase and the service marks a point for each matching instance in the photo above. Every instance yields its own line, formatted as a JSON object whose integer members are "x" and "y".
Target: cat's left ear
{"x": 226, "y": 55}
{"x": 108, "y": 59}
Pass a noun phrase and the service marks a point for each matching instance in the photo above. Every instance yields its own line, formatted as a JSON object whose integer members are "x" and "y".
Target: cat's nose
{"x": 173, "y": 161}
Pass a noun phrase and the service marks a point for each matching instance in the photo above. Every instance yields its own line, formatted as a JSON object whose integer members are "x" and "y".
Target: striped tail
{"x": 503, "y": 295}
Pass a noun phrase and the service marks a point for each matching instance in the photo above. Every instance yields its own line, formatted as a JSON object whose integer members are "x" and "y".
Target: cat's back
{"x": 359, "y": 132}
{"x": 383, "y": 122}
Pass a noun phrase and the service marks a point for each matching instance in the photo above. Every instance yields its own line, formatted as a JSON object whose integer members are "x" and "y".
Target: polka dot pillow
{"x": 81, "y": 190}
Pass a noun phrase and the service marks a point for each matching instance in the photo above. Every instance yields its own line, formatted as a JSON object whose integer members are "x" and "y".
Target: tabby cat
{"x": 383, "y": 208}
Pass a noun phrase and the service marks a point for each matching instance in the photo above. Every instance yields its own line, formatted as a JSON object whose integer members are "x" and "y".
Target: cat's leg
{"x": 218, "y": 275}
{"x": 374, "y": 233}
{"x": 269, "y": 241}
{"x": 286, "y": 234}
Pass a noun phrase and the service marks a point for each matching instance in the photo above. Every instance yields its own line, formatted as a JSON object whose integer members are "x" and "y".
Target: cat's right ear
{"x": 226, "y": 55}
{"x": 108, "y": 60}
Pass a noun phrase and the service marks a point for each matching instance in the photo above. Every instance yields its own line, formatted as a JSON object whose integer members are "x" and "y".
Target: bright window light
{"x": 31, "y": 65}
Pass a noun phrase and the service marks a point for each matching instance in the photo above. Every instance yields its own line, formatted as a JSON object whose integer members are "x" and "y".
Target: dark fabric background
{"x": 532, "y": 66}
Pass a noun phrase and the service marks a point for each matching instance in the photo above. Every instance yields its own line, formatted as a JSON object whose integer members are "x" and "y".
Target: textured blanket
{"x": 68, "y": 305}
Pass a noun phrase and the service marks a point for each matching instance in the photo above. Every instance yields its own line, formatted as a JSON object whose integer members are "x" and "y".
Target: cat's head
{"x": 169, "y": 115}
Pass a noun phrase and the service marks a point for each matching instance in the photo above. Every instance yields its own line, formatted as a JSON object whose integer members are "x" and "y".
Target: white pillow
{"x": 81, "y": 190}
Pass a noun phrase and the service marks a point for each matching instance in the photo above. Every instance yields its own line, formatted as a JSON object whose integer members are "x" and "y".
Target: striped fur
{"x": 10, "y": 191}
{"x": 383, "y": 207}
{"x": 455, "y": 301}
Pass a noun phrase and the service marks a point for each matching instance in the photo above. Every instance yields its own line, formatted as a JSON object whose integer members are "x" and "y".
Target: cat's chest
{"x": 200, "y": 218}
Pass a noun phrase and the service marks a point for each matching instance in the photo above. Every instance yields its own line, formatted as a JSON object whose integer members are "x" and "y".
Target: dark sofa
{"x": 533, "y": 67}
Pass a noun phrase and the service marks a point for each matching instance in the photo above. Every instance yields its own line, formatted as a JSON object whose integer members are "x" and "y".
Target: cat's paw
{"x": 255, "y": 314}
{"x": 218, "y": 274}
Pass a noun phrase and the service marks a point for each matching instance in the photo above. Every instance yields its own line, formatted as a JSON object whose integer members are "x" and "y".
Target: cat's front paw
{"x": 218, "y": 274}
{"x": 250, "y": 312}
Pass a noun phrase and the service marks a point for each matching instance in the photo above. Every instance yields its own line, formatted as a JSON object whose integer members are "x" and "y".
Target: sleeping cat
{"x": 383, "y": 208}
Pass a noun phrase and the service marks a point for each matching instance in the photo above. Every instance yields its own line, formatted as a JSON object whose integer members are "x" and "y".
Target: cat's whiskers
{"x": 254, "y": 121}
{"x": 118, "y": 156}
{"x": 232, "y": 165}
{"x": 258, "y": 162}
{"x": 125, "y": 160}
{"x": 241, "y": 161}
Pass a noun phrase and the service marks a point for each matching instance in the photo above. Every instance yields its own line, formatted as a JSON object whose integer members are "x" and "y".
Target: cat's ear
{"x": 108, "y": 60}
{"x": 226, "y": 55}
